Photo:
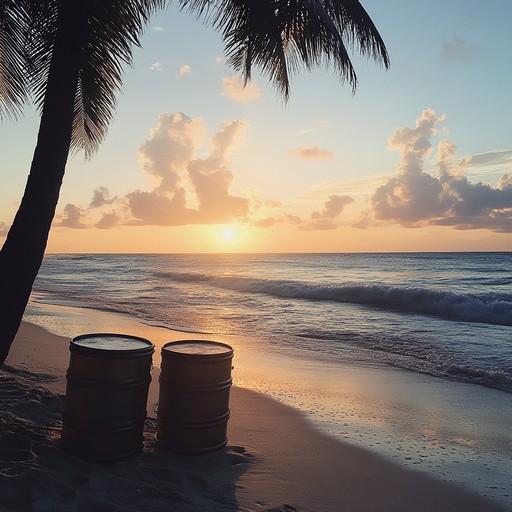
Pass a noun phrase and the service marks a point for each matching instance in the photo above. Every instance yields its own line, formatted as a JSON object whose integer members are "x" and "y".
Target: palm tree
{"x": 68, "y": 57}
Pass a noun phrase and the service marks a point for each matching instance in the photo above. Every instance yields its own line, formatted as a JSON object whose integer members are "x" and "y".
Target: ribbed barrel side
{"x": 193, "y": 406}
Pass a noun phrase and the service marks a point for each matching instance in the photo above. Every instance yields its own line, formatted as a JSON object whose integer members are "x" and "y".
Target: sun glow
{"x": 227, "y": 234}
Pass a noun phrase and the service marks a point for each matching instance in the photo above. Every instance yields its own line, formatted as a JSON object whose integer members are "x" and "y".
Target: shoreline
{"x": 453, "y": 431}
{"x": 261, "y": 466}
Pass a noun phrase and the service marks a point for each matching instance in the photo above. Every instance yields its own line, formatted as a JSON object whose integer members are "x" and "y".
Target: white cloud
{"x": 277, "y": 220}
{"x": 156, "y": 66}
{"x": 505, "y": 182}
{"x": 212, "y": 189}
{"x": 311, "y": 153}
{"x": 493, "y": 159}
{"x": 328, "y": 218}
{"x": 170, "y": 156}
{"x": 153, "y": 208}
{"x": 183, "y": 72}
{"x": 235, "y": 89}
{"x": 491, "y": 165}
{"x": 413, "y": 197}
{"x": 228, "y": 138}
{"x": 170, "y": 147}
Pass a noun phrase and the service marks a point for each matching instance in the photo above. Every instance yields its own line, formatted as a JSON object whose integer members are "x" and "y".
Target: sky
{"x": 418, "y": 159}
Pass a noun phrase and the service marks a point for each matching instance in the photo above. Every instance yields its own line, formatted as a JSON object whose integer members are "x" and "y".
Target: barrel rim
{"x": 167, "y": 350}
{"x": 101, "y": 352}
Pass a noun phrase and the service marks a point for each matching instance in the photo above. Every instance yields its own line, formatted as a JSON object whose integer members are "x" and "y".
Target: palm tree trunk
{"x": 23, "y": 250}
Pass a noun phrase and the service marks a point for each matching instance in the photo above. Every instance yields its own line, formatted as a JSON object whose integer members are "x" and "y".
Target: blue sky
{"x": 318, "y": 173}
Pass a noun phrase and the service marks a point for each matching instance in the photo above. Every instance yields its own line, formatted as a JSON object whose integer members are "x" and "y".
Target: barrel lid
{"x": 111, "y": 342}
{"x": 198, "y": 348}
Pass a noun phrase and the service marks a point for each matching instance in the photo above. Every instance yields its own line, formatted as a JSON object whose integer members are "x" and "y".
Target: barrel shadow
{"x": 34, "y": 468}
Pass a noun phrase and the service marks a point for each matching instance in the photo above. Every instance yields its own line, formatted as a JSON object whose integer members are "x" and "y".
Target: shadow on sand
{"x": 35, "y": 474}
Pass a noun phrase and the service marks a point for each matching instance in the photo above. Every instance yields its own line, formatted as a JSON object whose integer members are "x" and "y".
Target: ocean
{"x": 442, "y": 314}
{"x": 441, "y": 321}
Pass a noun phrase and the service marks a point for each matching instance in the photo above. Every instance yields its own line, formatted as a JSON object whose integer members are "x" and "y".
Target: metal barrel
{"x": 106, "y": 396}
{"x": 193, "y": 405}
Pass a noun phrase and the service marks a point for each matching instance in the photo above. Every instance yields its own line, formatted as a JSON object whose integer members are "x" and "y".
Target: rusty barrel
{"x": 106, "y": 396}
{"x": 193, "y": 405}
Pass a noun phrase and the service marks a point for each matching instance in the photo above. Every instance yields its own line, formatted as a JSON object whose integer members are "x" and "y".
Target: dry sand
{"x": 275, "y": 460}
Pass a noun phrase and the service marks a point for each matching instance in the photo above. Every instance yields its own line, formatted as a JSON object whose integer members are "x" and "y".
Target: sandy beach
{"x": 275, "y": 459}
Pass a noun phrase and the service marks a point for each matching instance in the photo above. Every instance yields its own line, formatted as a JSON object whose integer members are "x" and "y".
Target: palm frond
{"x": 115, "y": 26}
{"x": 43, "y": 17}
{"x": 281, "y": 36}
{"x": 14, "y": 23}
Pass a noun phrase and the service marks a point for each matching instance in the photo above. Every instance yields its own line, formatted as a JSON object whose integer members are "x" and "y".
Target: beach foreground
{"x": 275, "y": 460}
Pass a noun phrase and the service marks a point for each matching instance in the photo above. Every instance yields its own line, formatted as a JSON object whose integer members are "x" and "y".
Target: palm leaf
{"x": 281, "y": 36}
{"x": 276, "y": 36}
{"x": 14, "y": 27}
{"x": 113, "y": 28}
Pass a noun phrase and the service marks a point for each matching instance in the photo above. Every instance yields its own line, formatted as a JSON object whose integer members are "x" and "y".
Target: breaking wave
{"x": 486, "y": 308}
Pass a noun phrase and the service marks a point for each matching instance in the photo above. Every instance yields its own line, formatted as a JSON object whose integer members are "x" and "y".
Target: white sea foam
{"x": 486, "y": 308}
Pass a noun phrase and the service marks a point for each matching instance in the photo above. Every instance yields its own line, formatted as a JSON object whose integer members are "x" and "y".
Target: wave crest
{"x": 489, "y": 308}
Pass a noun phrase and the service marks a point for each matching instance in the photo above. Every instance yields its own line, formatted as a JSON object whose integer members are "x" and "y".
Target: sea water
{"x": 443, "y": 314}
{"x": 442, "y": 321}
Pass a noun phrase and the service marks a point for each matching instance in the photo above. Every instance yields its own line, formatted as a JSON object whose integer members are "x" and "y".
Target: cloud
{"x": 505, "y": 182}
{"x": 101, "y": 197}
{"x": 482, "y": 165}
{"x": 156, "y": 66}
{"x": 457, "y": 50}
{"x": 474, "y": 206}
{"x": 328, "y": 217}
{"x": 234, "y": 88}
{"x": 414, "y": 197}
{"x": 155, "y": 209}
{"x": 3, "y": 229}
{"x": 311, "y": 153}
{"x": 183, "y": 72}
{"x": 493, "y": 158}
{"x": 73, "y": 217}
{"x": 276, "y": 220}
{"x": 170, "y": 156}
{"x": 109, "y": 220}
{"x": 101, "y": 212}
{"x": 170, "y": 148}
{"x": 158, "y": 29}
{"x": 215, "y": 203}
{"x": 219, "y": 60}
{"x": 188, "y": 189}
{"x": 228, "y": 138}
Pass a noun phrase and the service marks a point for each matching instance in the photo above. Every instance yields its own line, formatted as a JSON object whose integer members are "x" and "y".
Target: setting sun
{"x": 227, "y": 234}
